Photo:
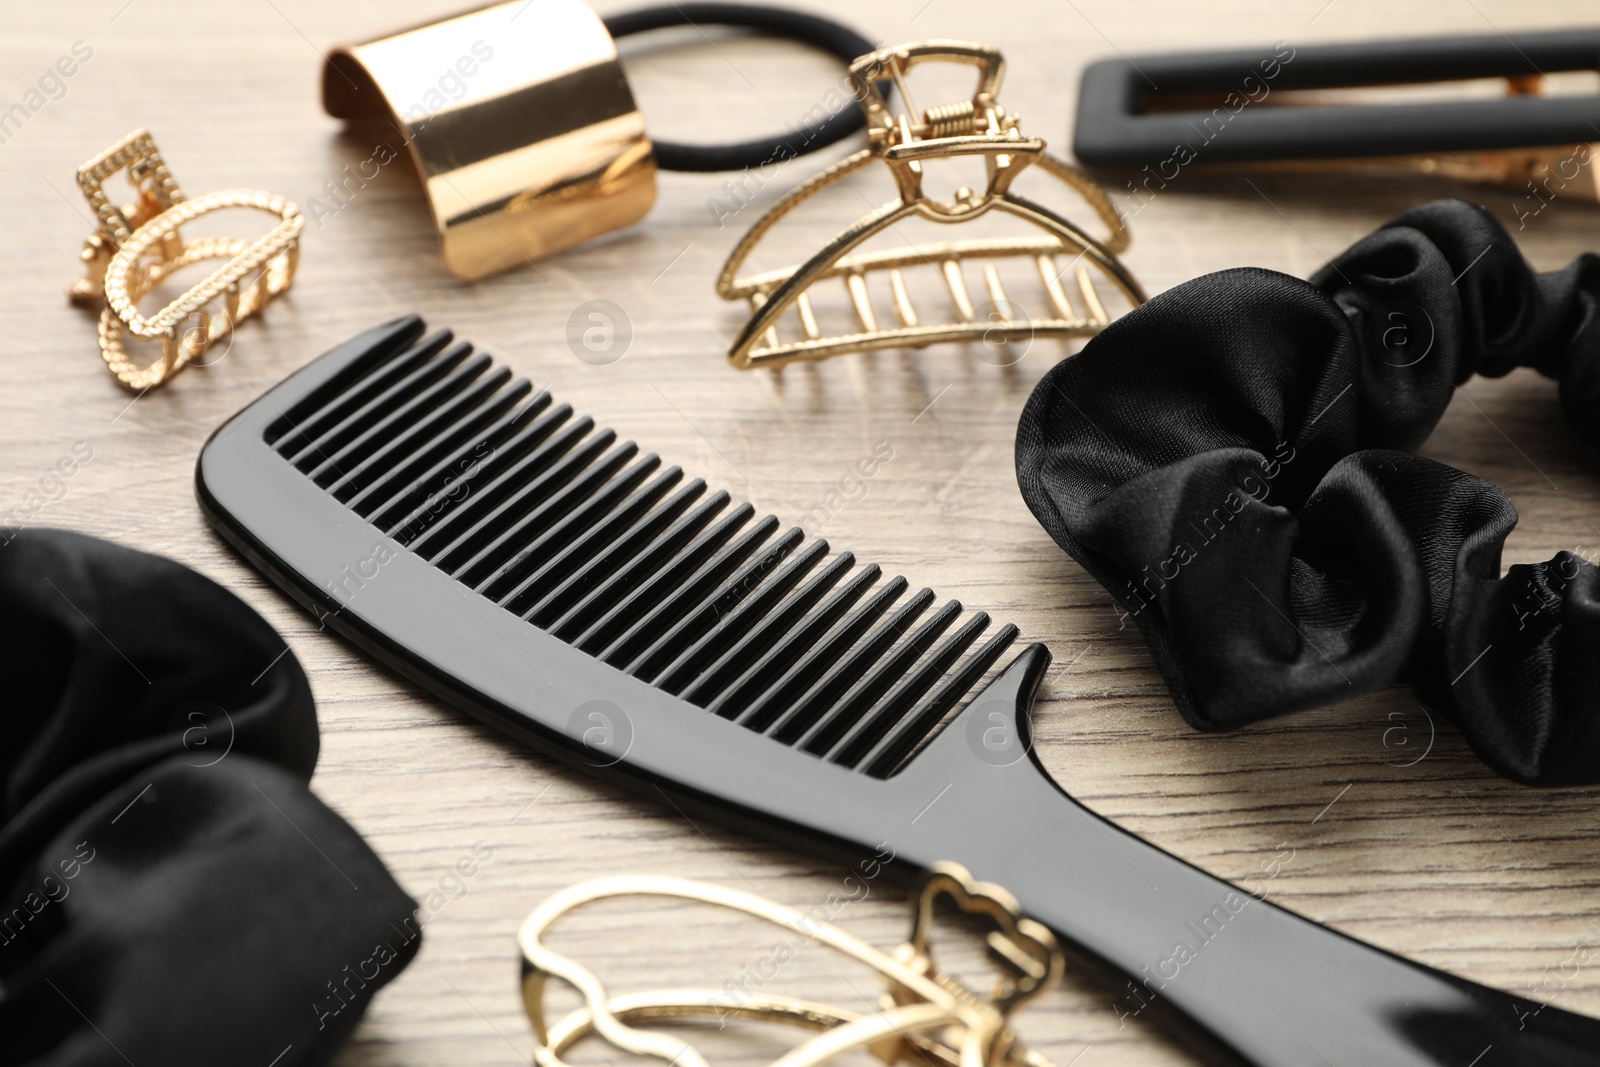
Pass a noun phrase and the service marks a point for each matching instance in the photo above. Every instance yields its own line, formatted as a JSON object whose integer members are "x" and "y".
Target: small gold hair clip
{"x": 137, "y": 246}
{"x": 905, "y": 142}
{"x": 924, "y": 1015}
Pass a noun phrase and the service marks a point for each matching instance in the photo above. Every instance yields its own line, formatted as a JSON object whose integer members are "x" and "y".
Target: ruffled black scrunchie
{"x": 1232, "y": 461}
{"x": 171, "y": 893}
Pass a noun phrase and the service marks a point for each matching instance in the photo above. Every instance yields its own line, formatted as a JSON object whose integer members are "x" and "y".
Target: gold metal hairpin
{"x": 924, "y": 1014}
{"x": 139, "y": 245}
{"x": 977, "y": 127}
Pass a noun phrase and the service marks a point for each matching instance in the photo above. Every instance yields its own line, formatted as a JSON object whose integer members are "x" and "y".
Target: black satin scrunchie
{"x": 171, "y": 893}
{"x": 1232, "y": 461}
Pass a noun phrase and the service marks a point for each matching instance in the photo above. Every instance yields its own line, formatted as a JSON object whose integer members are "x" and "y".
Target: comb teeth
{"x": 578, "y": 534}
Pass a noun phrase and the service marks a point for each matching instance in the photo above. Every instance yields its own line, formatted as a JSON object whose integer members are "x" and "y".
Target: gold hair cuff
{"x": 978, "y": 127}
{"x": 924, "y": 1016}
{"x": 139, "y": 246}
{"x": 520, "y": 123}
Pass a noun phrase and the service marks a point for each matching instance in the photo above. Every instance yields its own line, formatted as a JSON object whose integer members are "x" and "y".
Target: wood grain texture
{"x": 1439, "y": 860}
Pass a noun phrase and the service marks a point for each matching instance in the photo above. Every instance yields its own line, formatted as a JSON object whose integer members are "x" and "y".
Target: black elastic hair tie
{"x": 1233, "y": 462}
{"x": 825, "y": 34}
{"x": 171, "y": 892}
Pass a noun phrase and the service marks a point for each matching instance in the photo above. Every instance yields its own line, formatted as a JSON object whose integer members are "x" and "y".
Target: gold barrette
{"x": 978, "y": 127}
{"x": 924, "y": 1015}
{"x": 137, "y": 246}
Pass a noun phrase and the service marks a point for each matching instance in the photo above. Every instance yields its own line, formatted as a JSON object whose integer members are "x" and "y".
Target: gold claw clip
{"x": 924, "y": 1016}
{"x": 906, "y": 142}
{"x": 138, "y": 246}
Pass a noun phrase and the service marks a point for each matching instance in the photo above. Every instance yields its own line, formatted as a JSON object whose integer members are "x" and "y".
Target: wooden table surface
{"x": 1436, "y": 858}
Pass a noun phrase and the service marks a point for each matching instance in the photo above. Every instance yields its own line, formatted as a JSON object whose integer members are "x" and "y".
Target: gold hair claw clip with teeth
{"x": 975, "y": 128}
{"x": 138, "y": 246}
{"x": 924, "y": 1016}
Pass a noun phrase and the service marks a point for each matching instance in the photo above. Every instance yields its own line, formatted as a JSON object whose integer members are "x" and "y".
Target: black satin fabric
{"x": 172, "y": 892}
{"x": 1233, "y": 462}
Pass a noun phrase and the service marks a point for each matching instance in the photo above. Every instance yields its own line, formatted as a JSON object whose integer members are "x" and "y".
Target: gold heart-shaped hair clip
{"x": 905, "y": 142}
{"x": 923, "y": 1015}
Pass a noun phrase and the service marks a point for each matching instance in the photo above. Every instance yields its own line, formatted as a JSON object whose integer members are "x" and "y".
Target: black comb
{"x": 528, "y": 567}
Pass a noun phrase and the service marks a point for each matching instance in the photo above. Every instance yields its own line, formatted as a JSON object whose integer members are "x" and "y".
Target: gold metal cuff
{"x": 520, "y": 123}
